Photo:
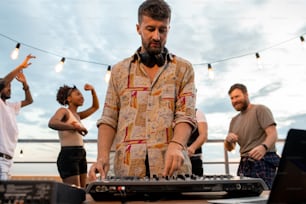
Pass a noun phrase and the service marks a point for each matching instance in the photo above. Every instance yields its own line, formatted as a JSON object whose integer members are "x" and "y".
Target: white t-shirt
{"x": 8, "y": 124}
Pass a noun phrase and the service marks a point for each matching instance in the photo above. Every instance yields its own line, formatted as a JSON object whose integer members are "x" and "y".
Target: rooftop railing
{"x": 215, "y": 157}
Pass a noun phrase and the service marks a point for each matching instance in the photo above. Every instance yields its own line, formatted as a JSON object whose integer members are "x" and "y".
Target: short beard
{"x": 155, "y": 51}
{"x": 245, "y": 106}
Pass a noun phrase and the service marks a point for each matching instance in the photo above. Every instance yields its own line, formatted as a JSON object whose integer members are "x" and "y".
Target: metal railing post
{"x": 226, "y": 162}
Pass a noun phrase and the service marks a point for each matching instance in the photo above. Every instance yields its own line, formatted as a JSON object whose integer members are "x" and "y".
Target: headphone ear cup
{"x": 151, "y": 60}
{"x": 160, "y": 59}
{"x": 147, "y": 60}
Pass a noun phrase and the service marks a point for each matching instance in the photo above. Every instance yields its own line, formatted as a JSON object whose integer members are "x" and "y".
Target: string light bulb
{"x": 303, "y": 42}
{"x": 259, "y": 62}
{"x": 108, "y": 73}
{"x": 21, "y": 153}
{"x": 15, "y": 52}
{"x": 210, "y": 72}
{"x": 59, "y": 67}
{"x": 302, "y": 39}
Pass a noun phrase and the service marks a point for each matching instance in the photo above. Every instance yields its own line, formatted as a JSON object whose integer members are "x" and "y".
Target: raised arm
{"x": 10, "y": 76}
{"x": 95, "y": 102}
{"x": 28, "y": 96}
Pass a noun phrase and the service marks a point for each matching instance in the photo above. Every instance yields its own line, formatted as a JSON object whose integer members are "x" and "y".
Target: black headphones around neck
{"x": 151, "y": 60}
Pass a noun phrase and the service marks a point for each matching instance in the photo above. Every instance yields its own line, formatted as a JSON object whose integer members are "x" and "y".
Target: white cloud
{"x": 228, "y": 32}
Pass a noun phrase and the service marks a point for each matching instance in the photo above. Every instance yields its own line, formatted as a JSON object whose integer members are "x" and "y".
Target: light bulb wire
{"x": 204, "y": 63}
{"x": 52, "y": 53}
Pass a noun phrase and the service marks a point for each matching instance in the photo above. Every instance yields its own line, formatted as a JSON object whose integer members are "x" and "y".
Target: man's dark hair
{"x": 156, "y": 9}
{"x": 242, "y": 87}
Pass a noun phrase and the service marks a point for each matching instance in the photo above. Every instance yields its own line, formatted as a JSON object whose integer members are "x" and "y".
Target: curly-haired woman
{"x": 71, "y": 161}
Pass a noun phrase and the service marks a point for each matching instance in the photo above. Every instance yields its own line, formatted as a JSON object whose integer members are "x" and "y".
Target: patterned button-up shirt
{"x": 144, "y": 113}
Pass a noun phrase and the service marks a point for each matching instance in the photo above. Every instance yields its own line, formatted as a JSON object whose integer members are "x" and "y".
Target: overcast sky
{"x": 96, "y": 33}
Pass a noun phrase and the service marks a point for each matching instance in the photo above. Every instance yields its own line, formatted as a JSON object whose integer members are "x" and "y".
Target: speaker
{"x": 40, "y": 192}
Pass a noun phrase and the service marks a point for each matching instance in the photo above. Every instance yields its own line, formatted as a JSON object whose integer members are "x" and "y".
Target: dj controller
{"x": 118, "y": 188}
{"x": 129, "y": 188}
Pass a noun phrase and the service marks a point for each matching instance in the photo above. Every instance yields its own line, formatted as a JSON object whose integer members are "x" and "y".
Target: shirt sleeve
{"x": 200, "y": 116}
